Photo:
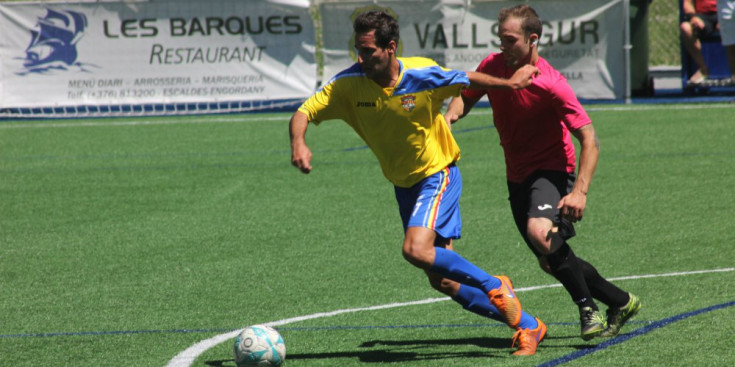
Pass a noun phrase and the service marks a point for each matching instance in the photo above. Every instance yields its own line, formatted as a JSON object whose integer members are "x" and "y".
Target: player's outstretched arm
{"x": 300, "y": 152}
{"x": 522, "y": 78}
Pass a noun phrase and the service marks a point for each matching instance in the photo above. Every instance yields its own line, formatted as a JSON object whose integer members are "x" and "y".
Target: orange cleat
{"x": 528, "y": 339}
{"x": 505, "y": 300}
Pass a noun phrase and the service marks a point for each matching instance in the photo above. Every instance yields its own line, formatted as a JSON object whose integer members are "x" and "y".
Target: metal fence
{"x": 663, "y": 33}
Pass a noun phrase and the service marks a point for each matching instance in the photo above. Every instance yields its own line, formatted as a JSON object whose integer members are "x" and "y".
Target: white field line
{"x": 113, "y": 122}
{"x": 188, "y": 356}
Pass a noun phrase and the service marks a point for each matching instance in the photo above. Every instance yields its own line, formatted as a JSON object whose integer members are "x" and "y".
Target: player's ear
{"x": 533, "y": 40}
{"x": 392, "y": 47}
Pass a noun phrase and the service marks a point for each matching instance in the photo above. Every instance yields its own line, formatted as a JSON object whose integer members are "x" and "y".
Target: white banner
{"x": 162, "y": 51}
{"x": 583, "y": 39}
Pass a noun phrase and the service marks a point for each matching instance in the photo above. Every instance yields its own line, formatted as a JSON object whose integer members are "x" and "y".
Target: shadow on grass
{"x": 418, "y": 350}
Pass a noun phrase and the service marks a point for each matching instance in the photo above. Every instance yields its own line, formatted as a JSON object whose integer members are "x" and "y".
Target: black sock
{"x": 567, "y": 270}
{"x": 601, "y": 288}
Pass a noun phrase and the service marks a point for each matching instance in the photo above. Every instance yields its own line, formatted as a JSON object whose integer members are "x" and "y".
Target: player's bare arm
{"x": 300, "y": 152}
{"x": 522, "y": 78}
{"x": 572, "y": 206}
{"x": 688, "y": 7}
{"x": 459, "y": 107}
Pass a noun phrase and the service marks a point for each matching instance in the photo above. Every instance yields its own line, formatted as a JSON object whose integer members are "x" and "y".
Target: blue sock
{"x": 453, "y": 266}
{"x": 527, "y": 321}
{"x": 475, "y": 300}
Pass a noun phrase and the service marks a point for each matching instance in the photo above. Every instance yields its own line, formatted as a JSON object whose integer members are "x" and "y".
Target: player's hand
{"x": 572, "y": 206}
{"x": 697, "y": 23}
{"x": 301, "y": 157}
{"x": 523, "y": 77}
{"x": 451, "y": 118}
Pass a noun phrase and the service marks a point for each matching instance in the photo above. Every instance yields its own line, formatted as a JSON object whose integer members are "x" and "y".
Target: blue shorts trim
{"x": 433, "y": 203}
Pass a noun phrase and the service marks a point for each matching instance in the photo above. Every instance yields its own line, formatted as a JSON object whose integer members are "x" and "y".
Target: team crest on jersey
{"x": 408, "y": 102}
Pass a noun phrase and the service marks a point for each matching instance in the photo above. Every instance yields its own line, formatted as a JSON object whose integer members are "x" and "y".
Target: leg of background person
{"x": 730, "y": 51}
{"x": 726, "y": 22}
{"x": 694, "y": 48}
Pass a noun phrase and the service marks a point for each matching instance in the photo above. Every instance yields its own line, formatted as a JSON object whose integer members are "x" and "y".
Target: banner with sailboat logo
{"x": 163, "y": 51}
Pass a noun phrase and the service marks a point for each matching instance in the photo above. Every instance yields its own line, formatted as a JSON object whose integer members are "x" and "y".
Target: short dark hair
{"x": 385, "y": 26}
{"x": 530, "y": 22}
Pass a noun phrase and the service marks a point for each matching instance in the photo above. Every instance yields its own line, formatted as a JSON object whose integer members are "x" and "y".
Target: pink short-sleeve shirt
{"x": 533, "y": 123}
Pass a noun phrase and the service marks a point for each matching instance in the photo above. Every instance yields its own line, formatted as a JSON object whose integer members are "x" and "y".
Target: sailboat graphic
{"x": 53, "y": 42}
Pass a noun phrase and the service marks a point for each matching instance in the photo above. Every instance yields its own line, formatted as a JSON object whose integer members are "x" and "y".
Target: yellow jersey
{"x": 402, "y": 125}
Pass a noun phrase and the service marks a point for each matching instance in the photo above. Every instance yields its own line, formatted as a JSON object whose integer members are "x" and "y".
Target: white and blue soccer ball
{"x": 259, "y": 345}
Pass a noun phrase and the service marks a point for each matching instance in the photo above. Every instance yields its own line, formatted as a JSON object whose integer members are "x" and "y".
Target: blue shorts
{"x": 433, "y": 203}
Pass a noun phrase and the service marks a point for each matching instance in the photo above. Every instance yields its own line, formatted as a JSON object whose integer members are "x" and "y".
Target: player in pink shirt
{"x": 535, "y": 127}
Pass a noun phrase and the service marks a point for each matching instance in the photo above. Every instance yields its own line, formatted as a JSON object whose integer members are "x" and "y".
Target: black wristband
{"x": 688, "y": 17}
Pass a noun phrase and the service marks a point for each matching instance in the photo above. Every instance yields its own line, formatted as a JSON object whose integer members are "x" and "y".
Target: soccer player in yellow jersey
{"x": 394, "y": 104}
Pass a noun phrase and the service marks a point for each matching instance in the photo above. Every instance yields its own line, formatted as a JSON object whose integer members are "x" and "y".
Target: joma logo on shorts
{"x": 366, "y": 104}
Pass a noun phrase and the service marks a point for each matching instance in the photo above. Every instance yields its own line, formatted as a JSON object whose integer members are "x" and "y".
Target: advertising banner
{"x": 583, "y": 39}
{"x": 162, "y": 51}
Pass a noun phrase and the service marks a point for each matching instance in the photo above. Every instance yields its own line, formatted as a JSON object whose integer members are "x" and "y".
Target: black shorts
{"x": 537, "y": 197}
{"x": 710, "y": 24}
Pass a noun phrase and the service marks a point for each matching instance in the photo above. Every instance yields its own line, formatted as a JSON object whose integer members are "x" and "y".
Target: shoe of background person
{"x": 617, "y": 317}
{"x": 697, "y": 78}
{"x": 505, "y": 300}
{"x": 592, "y": 323}
{"x": 528, "y": 339}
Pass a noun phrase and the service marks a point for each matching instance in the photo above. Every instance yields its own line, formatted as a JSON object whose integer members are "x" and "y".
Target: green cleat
{"x": 616, "y": 317}
{"x": 592, "y": 323}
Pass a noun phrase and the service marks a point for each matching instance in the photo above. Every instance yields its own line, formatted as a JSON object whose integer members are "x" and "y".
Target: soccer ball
{"x": 259, "y": 345}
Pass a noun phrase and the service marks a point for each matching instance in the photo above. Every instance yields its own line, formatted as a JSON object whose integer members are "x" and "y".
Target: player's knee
{"x": 418, "y": 247}
{"x": 538, "y": 239}
{"x": 408, "y": 254}
{"x": 416, "y": 253}
{"x": 538, "y": 233}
